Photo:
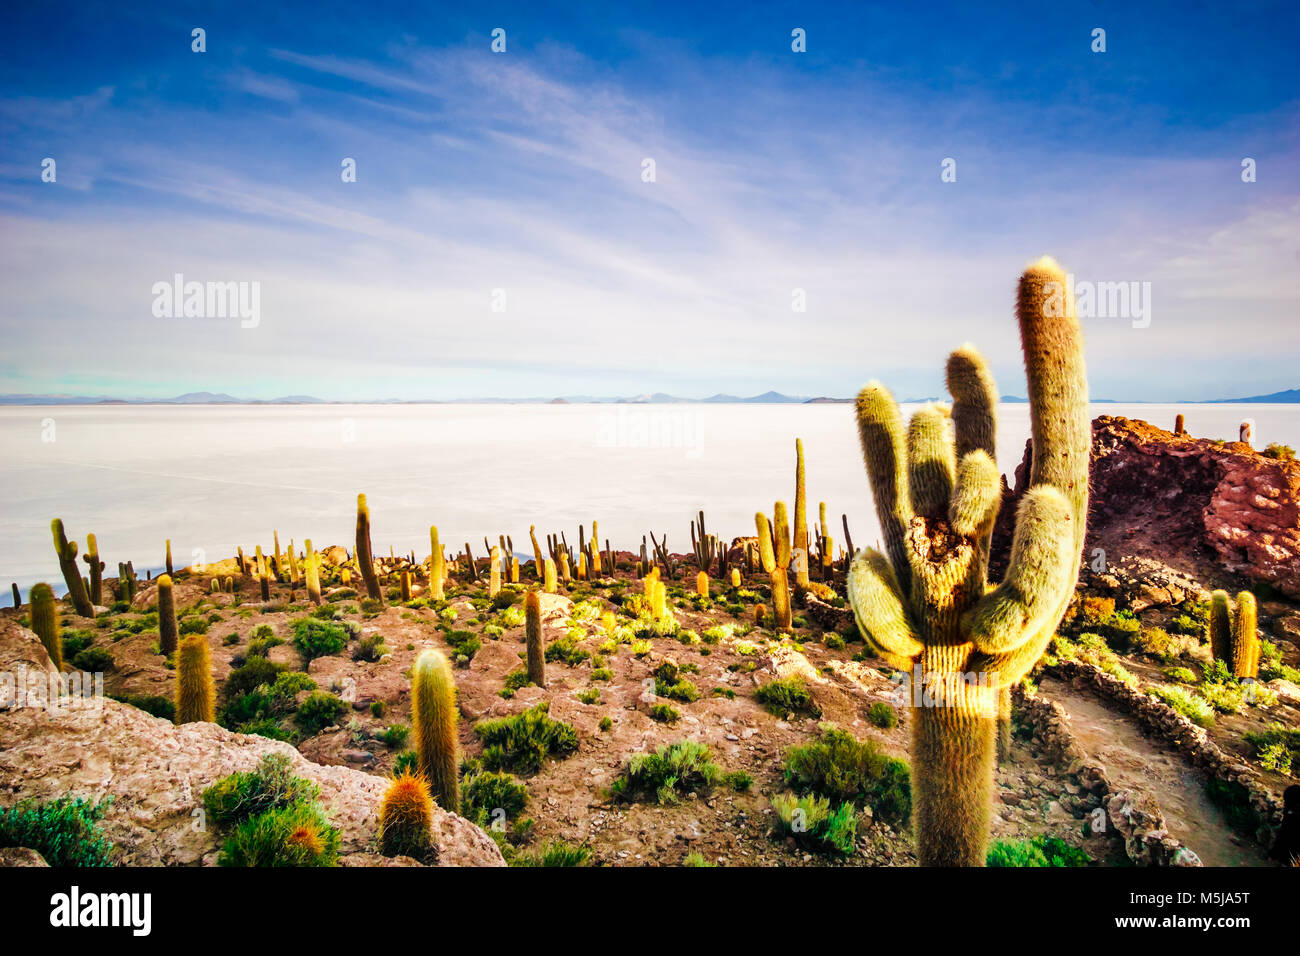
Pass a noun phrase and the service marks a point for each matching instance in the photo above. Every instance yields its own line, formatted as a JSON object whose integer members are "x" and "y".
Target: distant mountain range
{"x": 1290, "y": 396}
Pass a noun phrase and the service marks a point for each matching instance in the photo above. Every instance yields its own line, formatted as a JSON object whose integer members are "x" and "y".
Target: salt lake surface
{"x": 211, "y": 478}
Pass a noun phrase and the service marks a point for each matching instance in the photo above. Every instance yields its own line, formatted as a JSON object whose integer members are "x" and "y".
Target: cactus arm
{"x": 974, "y": 402}
{"x": 1038, "y": 576}
{"x": 930, "y": 461}
{"x": 974, "y": 505}
{"x": 880, "y": 430}
{"x": 878, "y": 608}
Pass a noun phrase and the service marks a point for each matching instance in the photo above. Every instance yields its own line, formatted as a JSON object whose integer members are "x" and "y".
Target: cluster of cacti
{"x": 536, "y": 653}
{"x": 365, "y": 559}
{"x": 196, "y": 695}
{"x": 1233, "y": 637}
{"x": 125, "y": 581}
{"x": 924, "y": 603}
{"x": 45, "y": 622}
{"x": 433, "y": 722}
{"x": 706, "y": 546}
{"x": 67, "y": 554}
{"x": 168, "y": 633}
{"x": 406, "y": 817}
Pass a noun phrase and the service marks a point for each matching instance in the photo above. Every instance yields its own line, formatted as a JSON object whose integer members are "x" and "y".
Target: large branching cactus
{"x": 925, "y": 604}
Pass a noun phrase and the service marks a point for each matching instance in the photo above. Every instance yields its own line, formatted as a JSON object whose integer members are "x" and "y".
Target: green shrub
{"x": 239, "y": 796}
{"x": 1042, "y": 850}
{"x": 370, "y": 648}
{"x": 65, "y": 830}
{"x": 589, "y": 695}
{"x": 667, "y": 774}
{"x": 787, "y": 695}
{"x": 697, "y": 860}
{"x": 665, "y": 713}
{"x": 882, "y": 715}
{"x": 738, "y": 780}
{"x": 483, "y": 793}
{"x": 316, "y": 638}
{"x": 318, "y": 711}
{"x": 254, "y": 672}
{"x": 555, "y": 853}
{"x": 395, "y": 736}
{"x": 813, "y": 825}
{"x": 1277, "y": 747}
{"x": 154, "y": 704}
{"x": 523, "y": 741}
{"x": 194, "y": 625}
{"x": 566, "y": 649}
{"x": 1192, "y": 706}
{"x": 296, "y": 835}
{"x": 606, "y": 722}
{"x": 841, "y": 768}
{"x": 93, "y": 659}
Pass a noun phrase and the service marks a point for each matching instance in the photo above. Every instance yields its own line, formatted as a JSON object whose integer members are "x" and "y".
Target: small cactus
{"x": 735, "y": 577}
{"x": 548, "y": 577}
{"x": 537, "y": 551}
{"x": 406, "y": 586}
{"x": 311, "y": 572}
{"x": 169, "y": 555}
{"x": 494, "y": 573}
{"x": 167, "y": 630}
{"x": 533, "y": 639}
{"x": 1180, "y": 424}
{"x": 366, "y": 560}
{"x": 196, "y": 695}
{"x": 760, "y": 614}
{"x": 437, "y": 569}
{"x": 702, "y": 584}
{"x": 434, "y": 717}
{"x": 406, "y": 817}
{"x": 67, "y": 554}
{"x": 514, "y": 570}
{"x": 91, "y": 557}
{"x": 45, "y": 622}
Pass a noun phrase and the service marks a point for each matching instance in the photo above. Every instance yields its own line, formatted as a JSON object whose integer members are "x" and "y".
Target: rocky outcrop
{"x": 1196, "y": 506}
{"x": 155, "y": 772}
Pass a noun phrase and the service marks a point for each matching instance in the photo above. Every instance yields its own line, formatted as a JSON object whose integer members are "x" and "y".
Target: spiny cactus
{"x": 582, "y": 565}
{"x": 533, "y": 639}
{"x": 18, "y": 598}
{"x": 924, "y": 604}
{"x": 702, "y": 584}
{"x": 537, "y": 551}
{"x": 595, "y": 550}
{"x": 215, "y": 586}
{"x": 405, "y": 585}
{"x": 311, "y": 572}
{"x": 781, "y": 599}
{"x": 437, "y": 570}
{"x": 735, "y": 577}
{"x": 196, "y": 695}
{"x": 433, "y": 719}
{"x": 781, "y": 534}
{"x": 1233, "y": 638}
{"x": 800, "y": 517}
{"x": 766, "y": 555}
{"x": 366, "y": 560}
{"x": 548, "y": 577}
{"x": 169, "y": 555}
{"x": 1180, "y": 426}
{"x": 406, "y": 817}
{"x": 293, "y": 565}
{"x": 565, "y": 573}
{"x": 67, "y": 554}
{"x": 45, "y": 622}
{"x": 167, "y": 630}
{"x": 96, "y": 566}
{"x": 494, "y": 572}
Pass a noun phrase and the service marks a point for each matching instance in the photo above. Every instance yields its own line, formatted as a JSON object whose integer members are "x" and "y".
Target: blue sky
{"x": 522, "y": 171}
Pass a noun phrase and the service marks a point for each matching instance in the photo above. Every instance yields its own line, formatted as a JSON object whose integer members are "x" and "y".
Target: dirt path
{"x": 1133, "y": 760}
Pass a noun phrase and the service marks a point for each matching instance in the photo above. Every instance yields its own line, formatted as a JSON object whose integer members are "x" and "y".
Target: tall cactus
{"x": 67, "y": 553}
{"x": 169, "y": 555}
{"x": 548, "y": 577}
{"x": 311, "y": 572}
{"x": 533, "y": 639}
{"x": 781, "y": 534}
{"x": 365, "y": 559}
{"x": 537, "y": 551}
{"x": 1233, "y": 637}
{"x": 45, "y": 622}
{"x": 924, "y": 604}
{"x": 494, "y": 572}
{"x": 433, "y": 718}
{"x": 167, "y": 630}
{"x": 196, "y": 695}
{"x": 781, "y": 599}
{"x": 800, "y": 517}
{"x": 437, "y": 571}
{"x": 96, "y": 566}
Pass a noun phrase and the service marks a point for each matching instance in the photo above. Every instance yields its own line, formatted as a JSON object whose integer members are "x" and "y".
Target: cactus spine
{"x": 533, "y": 639}
{"x": 549, "y": 577}
{"x": 67, "y": 553}
{"x": 433, "y": 718}
{"x": 406, "y": 817}
{"x": 437, "y": 570}
{"x": 167, "y": 630}
{"x": 800, "y": 518}
{"x": 91, "y": 557}
{"x": 45, "y": 622}
{"x": 924, "y": 604}
{"x": 766, "y": 556}
{"x": 196, "y": 695}
{"x": 365, "y": 560}
{"x": 1233, "y": 638}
